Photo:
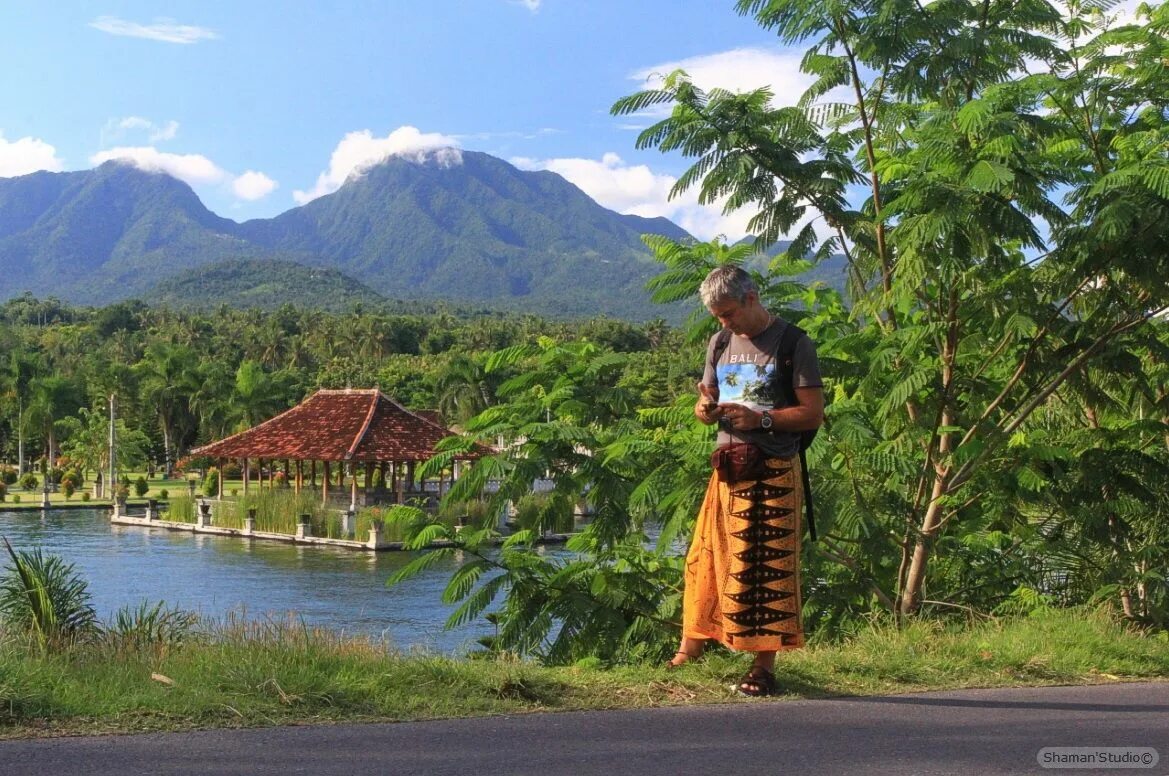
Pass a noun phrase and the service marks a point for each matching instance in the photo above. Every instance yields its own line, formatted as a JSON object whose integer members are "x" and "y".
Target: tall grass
{"x": 181, "y": 508}
{"x": 277, "y": 511}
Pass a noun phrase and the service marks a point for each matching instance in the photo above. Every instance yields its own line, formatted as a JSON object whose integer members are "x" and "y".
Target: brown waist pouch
{"x": 736, "y": 462}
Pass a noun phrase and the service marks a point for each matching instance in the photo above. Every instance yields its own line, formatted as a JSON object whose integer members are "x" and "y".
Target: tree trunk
{"x": 915, "y": 579}
{"x": 166, "y": 448}
{"x": 19, "y": 437}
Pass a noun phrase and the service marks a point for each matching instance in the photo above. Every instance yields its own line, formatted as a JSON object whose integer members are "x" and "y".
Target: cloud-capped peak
{"x": 358, "y": 151}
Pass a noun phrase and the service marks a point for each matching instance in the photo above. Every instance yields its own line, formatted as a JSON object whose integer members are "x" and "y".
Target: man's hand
{"x": 740, "y": 417}
{"x": 706, "y": 408}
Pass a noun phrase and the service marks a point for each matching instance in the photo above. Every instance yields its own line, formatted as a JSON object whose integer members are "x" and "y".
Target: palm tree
{"x": 168, "y": 379}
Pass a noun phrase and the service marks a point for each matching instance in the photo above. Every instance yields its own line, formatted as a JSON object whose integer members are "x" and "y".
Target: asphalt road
{"x": 967, "y": 732}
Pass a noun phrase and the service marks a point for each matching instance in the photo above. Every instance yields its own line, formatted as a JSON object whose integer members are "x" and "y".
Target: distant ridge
{"x": 479, "y": 231}
{"x": 265, "y": 284}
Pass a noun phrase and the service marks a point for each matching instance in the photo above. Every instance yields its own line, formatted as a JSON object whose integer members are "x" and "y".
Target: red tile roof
{"x": 345, "y": 425}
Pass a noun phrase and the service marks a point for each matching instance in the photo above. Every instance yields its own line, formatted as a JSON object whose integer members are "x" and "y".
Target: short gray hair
{"x": 726, "y": 283}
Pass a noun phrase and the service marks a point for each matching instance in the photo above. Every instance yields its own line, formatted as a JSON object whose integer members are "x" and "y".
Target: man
{"x": 742, "y": 571}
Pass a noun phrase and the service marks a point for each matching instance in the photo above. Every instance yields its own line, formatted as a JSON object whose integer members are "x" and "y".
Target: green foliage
{"x": 153, "y": 626}
{"x": 211, "y": 482}
{"x": 29, "y": 481}
{"x": 141, "y": 487}
{"x": 46, "y": 597}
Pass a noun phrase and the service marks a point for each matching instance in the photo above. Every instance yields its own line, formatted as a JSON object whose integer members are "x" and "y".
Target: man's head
{"x": 732, "y": 296}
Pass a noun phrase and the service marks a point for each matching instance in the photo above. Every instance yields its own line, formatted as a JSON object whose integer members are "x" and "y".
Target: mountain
{"x": 472, "y": 227}
{"x": 264, "y": 283}
{"x": 461, "y": 226}
{"x": 105, "y": 234}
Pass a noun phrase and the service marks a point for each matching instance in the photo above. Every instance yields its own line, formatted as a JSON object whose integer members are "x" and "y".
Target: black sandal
{"x": 758, "y": 682}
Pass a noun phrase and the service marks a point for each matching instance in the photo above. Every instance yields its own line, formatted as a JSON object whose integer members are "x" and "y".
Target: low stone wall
{"x": 203, "y": 524}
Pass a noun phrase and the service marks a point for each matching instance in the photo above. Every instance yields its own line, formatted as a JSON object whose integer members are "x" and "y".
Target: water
{"x": 343, "y": 590}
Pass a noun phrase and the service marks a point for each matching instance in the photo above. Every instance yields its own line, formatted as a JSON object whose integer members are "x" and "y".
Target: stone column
{"x": 151, "y": 509}
{"x": 348, "y": 522}
{"x": 203, "y": 516}
{"x": 250, "y": 522}
{"x": 304, "y": 528}
{"x": 375, "y": 536}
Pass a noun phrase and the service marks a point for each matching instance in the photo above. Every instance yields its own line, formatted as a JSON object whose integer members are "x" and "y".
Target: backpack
{"x": 784, "y": 374}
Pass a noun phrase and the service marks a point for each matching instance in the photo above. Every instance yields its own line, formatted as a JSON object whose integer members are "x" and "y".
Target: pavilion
{"x": 351, "y": 433}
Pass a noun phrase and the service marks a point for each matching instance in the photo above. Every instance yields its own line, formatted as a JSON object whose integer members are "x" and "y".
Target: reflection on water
{"x": 340, "y": 589}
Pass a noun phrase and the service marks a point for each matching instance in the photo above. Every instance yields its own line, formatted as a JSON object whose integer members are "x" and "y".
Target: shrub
{"x": 72, "y": 475}
{"x": 68, "y": 488}
{"x": 29, "y": 481}
{"x": 151, "y": 626}
{"x": 44, "y": 595}
{"x": 124, "y": 480}
{"x": 280, "y": 479}
{"x": 55, "y": 475}
{"x": 8, "y": 475}
{"x": 235, "y": 491}
{"x": 211, "y": 482}
{"x": 85, "y": 495}
{"x": 3, "y": 490}
{"x": 141, "y": 487}
{"x": 164, "y": 494}
{"x": 379, "y": 480}
{"x": 15, "y": 498}
{"x": 122, "y": 493}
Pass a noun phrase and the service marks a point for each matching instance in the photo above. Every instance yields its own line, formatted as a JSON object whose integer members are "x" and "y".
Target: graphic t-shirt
{"x": 746, "y": 374}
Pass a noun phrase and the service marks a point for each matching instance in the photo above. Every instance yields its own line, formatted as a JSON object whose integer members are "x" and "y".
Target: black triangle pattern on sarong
{"x": 756, "y": 618}
{"x": 759, "y": 595}
{"x": 760, "y": 575}
{"x": 762, "y": 532}
{"x": 761, "y": 553}
{"x": 762, "y": 512}
{"x": 760, "y": 536}
{"x": 760, "y": 490}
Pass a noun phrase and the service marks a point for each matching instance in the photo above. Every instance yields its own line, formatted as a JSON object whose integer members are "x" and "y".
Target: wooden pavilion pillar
{"x": 325, "y": 485}
{"x": 399, "y": 484}
{"x": 353, "y": 486}
{"x": 222, "y": 464}
{"x": 246, "y": 476}
{"x": 314, "y": 473}
{"x": 299, "y": 476}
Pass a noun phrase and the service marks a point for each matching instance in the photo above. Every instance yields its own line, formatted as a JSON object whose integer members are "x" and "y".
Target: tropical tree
{"x": 167, "y": 380}
{"x": 967, "y": 317}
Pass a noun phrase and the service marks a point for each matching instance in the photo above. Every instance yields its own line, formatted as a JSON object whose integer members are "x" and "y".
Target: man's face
{"x": 733, "y": 314}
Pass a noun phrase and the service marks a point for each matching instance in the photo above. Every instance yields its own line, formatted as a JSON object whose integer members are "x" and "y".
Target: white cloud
{"x": 165, "y": 30}
{"x": 358, "y": 151}
{"x": 253, "y": 185}
{"x": 26, "y": 155}
{"x": 195, "y": 169}
{"x": 531, "y": 5}
{"x": 116, "y": 129}
{"x": 637, "y": 190}
{"x": 738, "y": 70}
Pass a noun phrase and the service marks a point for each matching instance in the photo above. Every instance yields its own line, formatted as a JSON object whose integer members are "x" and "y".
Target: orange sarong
{"x": 743, "y": 569}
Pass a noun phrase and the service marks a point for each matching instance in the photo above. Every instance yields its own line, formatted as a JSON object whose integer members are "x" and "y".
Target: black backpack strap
{"x": 720, "y": 345}
{"x": 784, "y": 364}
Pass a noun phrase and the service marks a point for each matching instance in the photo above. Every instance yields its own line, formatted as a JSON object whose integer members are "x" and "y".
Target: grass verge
{"x": 241, "y": 674}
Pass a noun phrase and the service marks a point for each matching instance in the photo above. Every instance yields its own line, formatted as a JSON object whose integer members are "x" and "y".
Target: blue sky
{"x": 261, "y": 105}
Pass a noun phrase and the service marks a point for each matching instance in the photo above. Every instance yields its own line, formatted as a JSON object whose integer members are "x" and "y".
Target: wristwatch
{"x": 766, "y": 422}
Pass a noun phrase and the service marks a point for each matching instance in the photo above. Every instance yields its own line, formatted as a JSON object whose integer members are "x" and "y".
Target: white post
{"x": 113, "y": 440}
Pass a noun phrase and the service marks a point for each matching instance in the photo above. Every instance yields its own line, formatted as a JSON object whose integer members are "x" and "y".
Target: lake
{"x": 343, "y": 590}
